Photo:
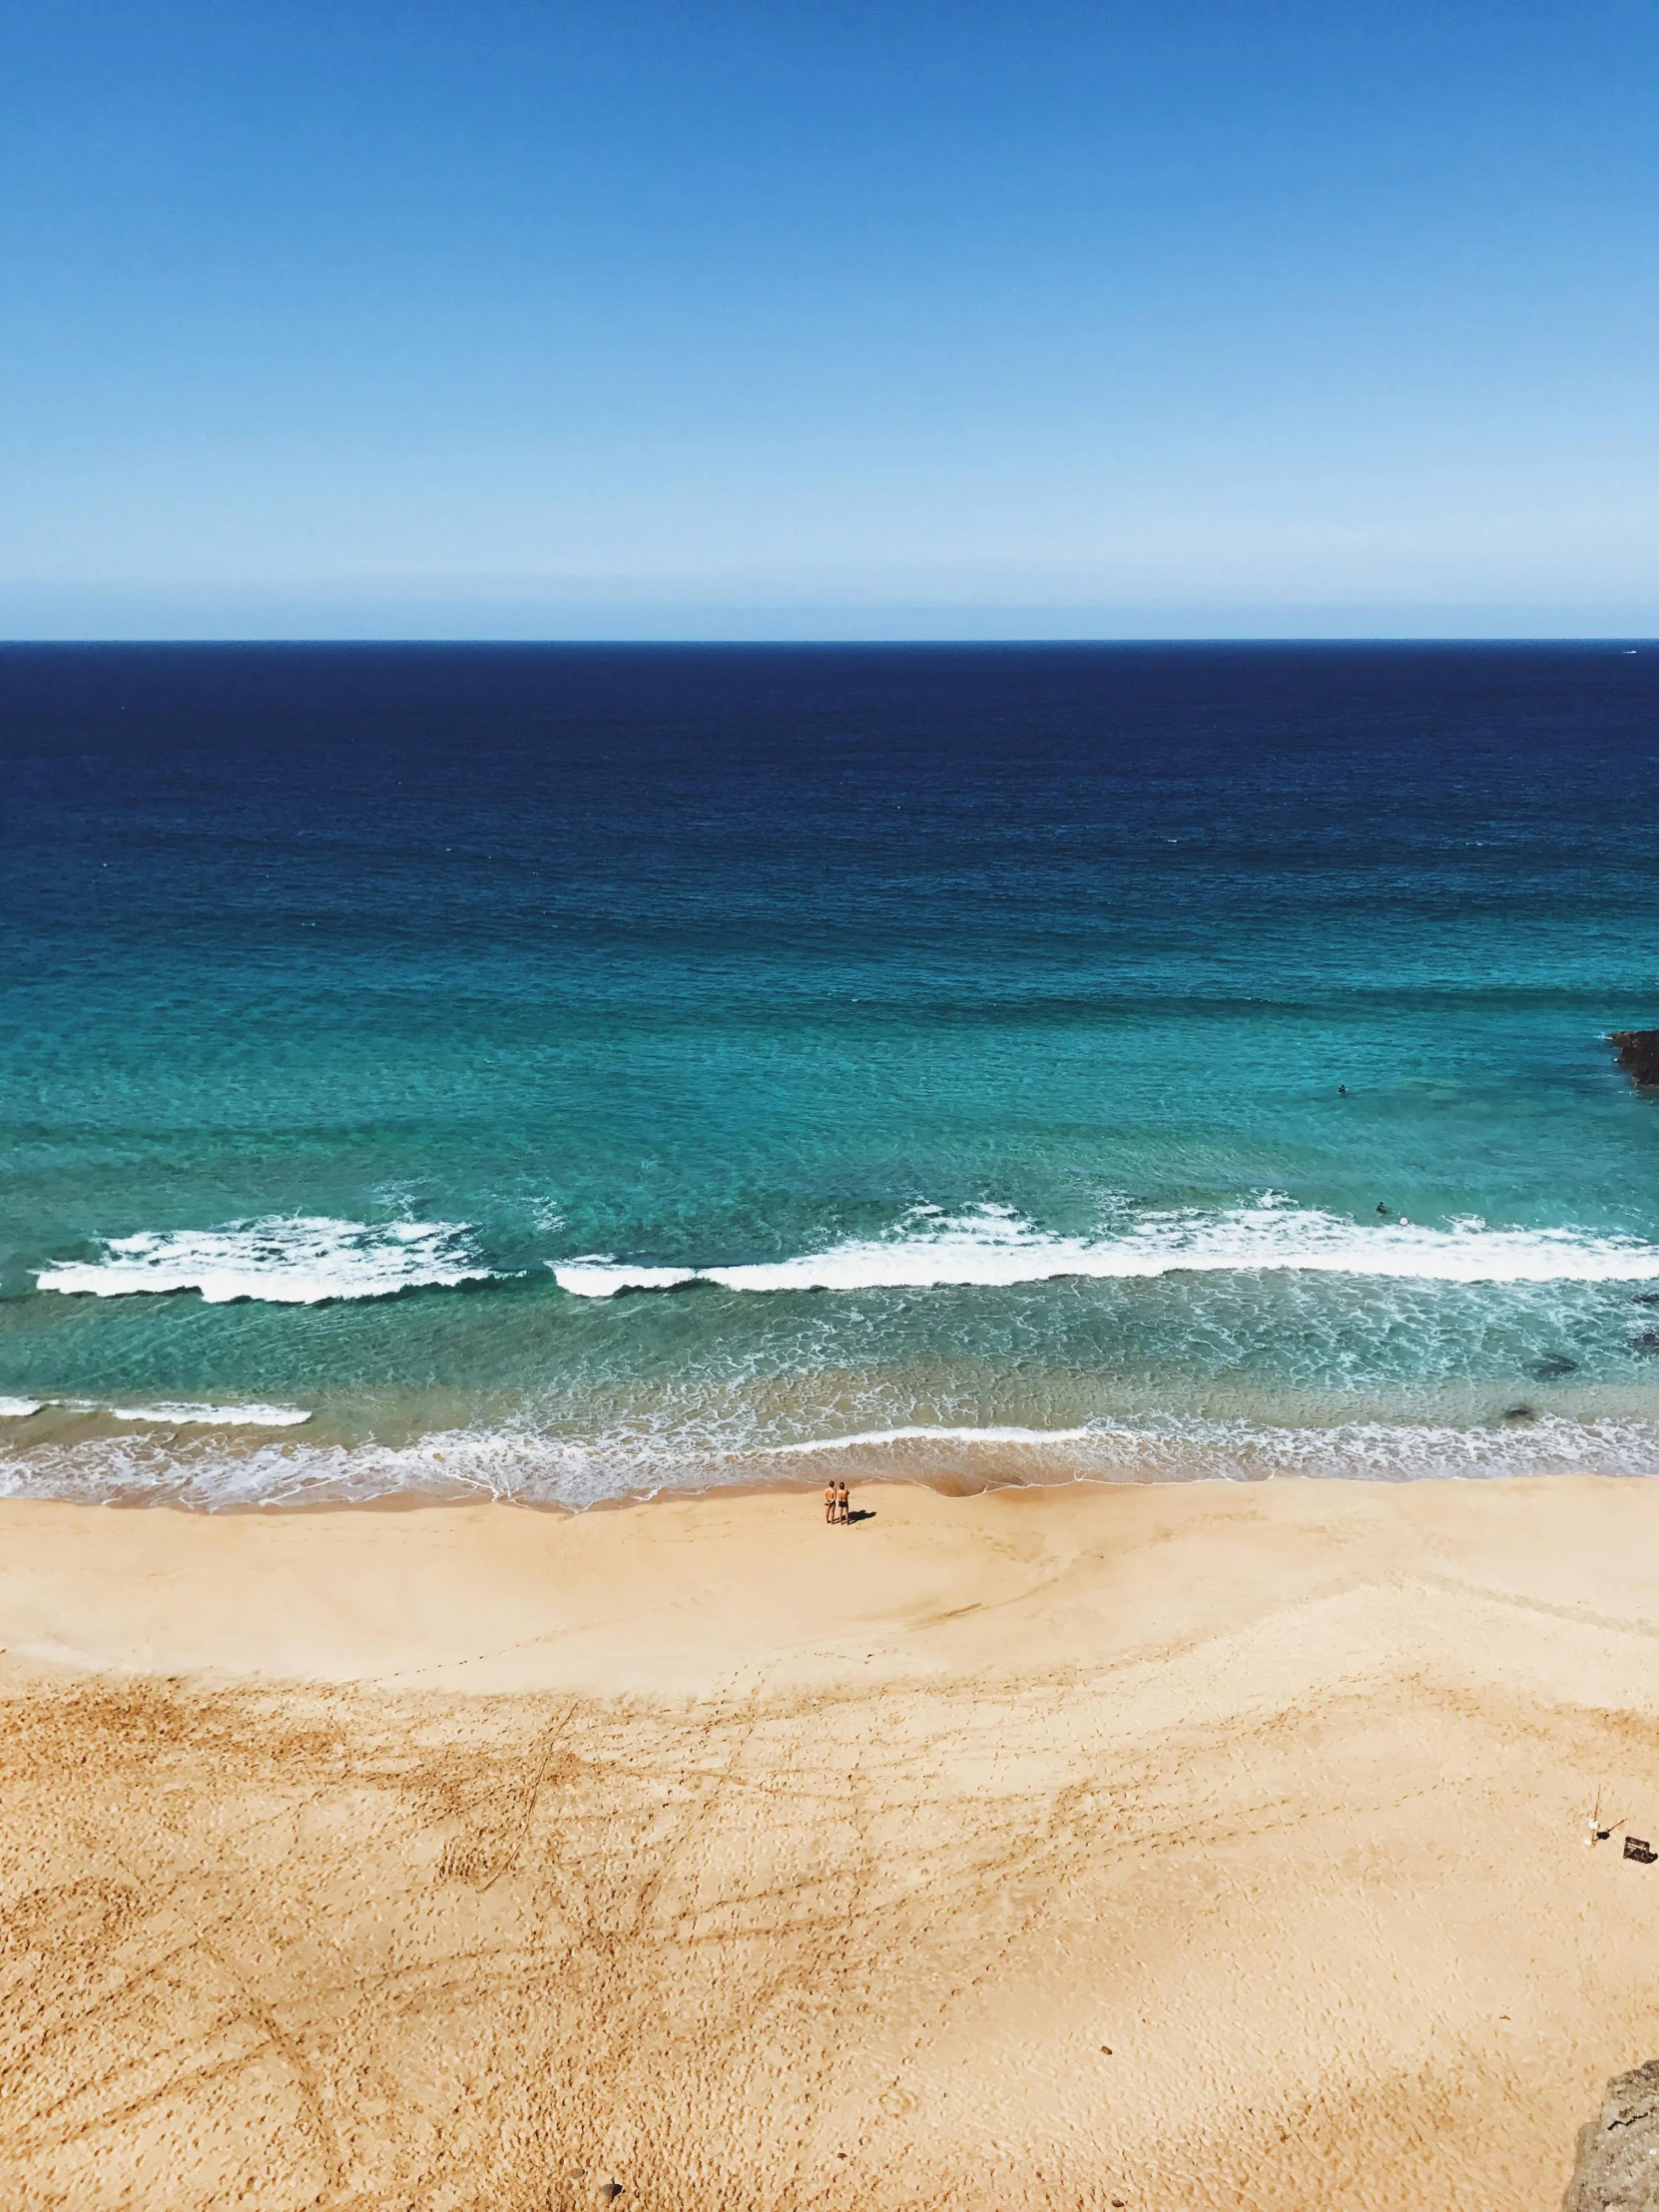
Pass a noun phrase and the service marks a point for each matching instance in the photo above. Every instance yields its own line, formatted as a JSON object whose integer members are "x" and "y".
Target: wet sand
{"x": 1177, "y": 1848}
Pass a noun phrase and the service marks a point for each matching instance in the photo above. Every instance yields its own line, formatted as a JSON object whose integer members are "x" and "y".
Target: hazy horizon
{"x": 885, "y": 626}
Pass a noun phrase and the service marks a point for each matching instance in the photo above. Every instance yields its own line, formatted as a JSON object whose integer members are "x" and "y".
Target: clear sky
{"x": 828, "y": 317}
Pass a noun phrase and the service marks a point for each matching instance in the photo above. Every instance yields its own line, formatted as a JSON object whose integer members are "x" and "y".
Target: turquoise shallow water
{"x": 572, "y": 1070}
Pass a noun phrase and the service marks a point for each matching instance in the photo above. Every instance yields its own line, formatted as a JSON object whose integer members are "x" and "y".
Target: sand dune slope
{"x": 1177, "y": 1849}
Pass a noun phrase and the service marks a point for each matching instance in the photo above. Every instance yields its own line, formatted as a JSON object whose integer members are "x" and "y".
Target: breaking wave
{"x": 167, "y": 1412}
{"x": 303, "y": 1260}
{"x": 993, "y": 1246}
{"x": 991, "y": 1434}
{"x": 217, "y": 1417}
{"x": 298, "y": 1259}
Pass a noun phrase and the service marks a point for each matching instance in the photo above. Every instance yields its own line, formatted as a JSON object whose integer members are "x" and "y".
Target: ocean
{"x": 563, "y": 1072}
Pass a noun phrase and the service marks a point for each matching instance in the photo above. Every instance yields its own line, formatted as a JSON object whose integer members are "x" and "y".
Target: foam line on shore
{"x": 920, "y": 1435}
{"x": 532, "y": 1466}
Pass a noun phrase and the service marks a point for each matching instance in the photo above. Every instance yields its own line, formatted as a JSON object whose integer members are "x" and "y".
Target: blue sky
{"x": 829, "y": 318}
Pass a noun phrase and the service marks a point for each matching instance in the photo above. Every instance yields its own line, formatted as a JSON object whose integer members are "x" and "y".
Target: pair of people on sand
{"x": 837, "y": 1504}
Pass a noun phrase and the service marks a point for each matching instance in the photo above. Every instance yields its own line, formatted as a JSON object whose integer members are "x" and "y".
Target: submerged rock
{"x": 1618, "y": 2155}
{"x": 1640, "y": 1053}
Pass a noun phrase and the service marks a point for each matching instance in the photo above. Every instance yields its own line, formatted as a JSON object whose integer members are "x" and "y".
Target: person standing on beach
{"x": 843, "y": 1505}
{"x": 832, "y": 1503}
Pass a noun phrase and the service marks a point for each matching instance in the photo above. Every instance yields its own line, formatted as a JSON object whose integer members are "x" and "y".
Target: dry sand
{"x": 1175, "y": 1848}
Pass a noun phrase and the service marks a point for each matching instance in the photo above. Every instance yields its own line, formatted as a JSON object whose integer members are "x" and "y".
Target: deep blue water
{"x": 388, "y": 1036}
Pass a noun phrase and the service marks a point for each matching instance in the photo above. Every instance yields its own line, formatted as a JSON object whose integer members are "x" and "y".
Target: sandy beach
{"x": 1171, "y": 1848}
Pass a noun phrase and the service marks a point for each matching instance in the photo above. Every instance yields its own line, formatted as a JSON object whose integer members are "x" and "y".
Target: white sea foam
{"x": 18, "y": 1409}
{"x": 993, "y": 1245}
{"x": 1246, "y": 1450}
{"x": 991, "y": 1434}
{"x": 533, "y": 1467}
{"x": 293, "y": 1259}
{"x": 218, "y": 1416}
{"x": 603, "y": 1277}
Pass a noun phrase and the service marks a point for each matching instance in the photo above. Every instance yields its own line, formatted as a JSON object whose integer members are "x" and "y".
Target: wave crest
{"x": 290, "y": 1259}
{"x": 993, "y": 1247}
{"x": 191, "y": 1416}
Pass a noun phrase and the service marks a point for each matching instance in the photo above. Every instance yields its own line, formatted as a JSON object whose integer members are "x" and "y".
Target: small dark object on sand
{"x": 1640, "y": 1053}
{"x": 1636, "y": 1848}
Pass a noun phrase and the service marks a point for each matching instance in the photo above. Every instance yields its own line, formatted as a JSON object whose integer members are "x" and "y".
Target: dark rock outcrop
{"x": 1618, "y": 2155}
{"x": 1640, "y": 1053}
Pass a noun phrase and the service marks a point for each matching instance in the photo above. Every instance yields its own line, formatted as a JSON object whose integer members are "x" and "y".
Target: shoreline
{"x": 939, "y": 1485}
{"x": 195, "y": 1471}
{"x": 956, "y": 1488}
{"x": 1188, "y": 1844}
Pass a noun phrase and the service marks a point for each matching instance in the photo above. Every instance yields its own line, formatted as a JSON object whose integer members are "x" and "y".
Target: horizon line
{"x": 1628, "y": 640}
